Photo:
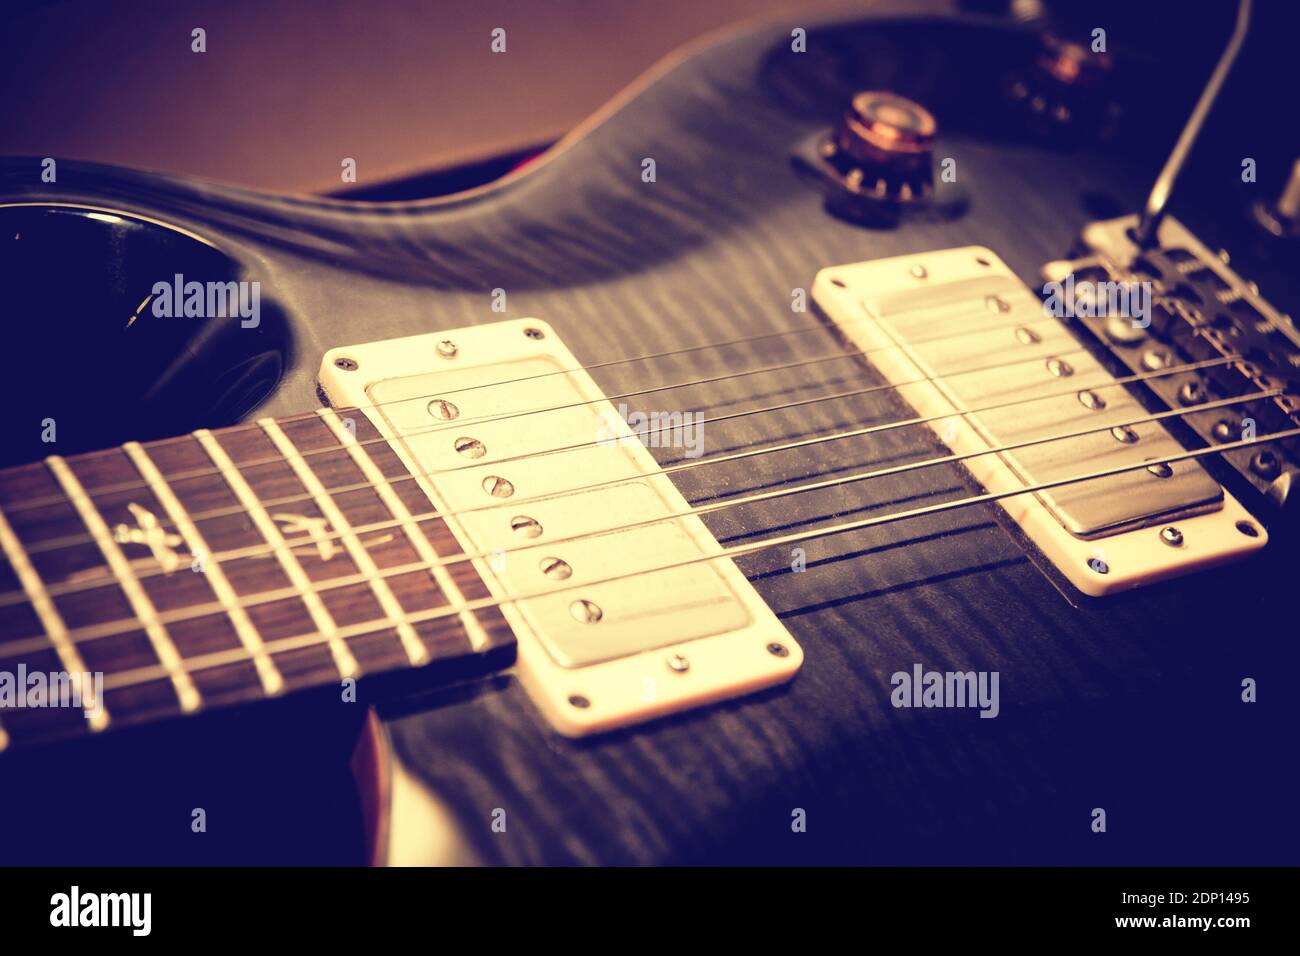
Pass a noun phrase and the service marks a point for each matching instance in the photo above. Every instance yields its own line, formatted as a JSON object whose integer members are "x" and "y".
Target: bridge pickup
{"x": 969, "y": 345}
{"x": 619, "y": 612}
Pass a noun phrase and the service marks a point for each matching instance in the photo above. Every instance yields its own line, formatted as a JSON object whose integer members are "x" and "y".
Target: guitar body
{"x": 1131, "y": 703}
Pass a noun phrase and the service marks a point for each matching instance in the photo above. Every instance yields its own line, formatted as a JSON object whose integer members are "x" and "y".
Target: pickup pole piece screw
{"x": 1171, "y": 536}
{"x": 679, "y": 663}
{"x": 586, "y": 612}
{"x": 447, "y": 348}
{"x": 556, "y": 568}
{"x": 346, "y": 364}
{"x": 441, "y": 408}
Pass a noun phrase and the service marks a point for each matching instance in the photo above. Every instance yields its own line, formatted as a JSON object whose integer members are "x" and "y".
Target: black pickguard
{"x": 1129, "y": 703}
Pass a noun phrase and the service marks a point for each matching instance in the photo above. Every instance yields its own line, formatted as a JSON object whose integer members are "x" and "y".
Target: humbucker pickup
{"x": 623, "y": 607}
{"x": 974, "y": 351}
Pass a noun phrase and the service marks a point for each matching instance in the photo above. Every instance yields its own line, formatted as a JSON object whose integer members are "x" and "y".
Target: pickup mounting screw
{"x": 526, "y": 526}
{"x": 470, "y": 447}
{"x": 1099, "y": 565}
{"x": 577, "y": 700}
{"x": 498, "y": 487}
{"x": 679, "y": 663}
{"x": 1171, "y": 536}
{"x": 778, "y": 650}
{"x": 346, "y": 364}
{"x": 534, "y": 333}
{"x": 556, "y": 568}
{"x": 447, "y": 348}
{"x": 586, "y": 612}
{"x": 1248, "y": 529}
{"x": 918, "y": 271}
{"x": 441, "y": 408}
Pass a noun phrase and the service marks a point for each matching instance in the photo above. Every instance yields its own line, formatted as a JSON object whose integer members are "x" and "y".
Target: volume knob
{"x": 885, "y": 143}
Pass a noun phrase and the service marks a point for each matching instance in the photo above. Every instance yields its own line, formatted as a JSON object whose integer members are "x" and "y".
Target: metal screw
{"x": 1192, "y": 393}
{"x": 1265, "y": 464}
{"x": 1160, "y": 469}
{"x": 441, "y": 408}
{"x": 995, "y": 303}
{"x": 1171, "y": 536}
{"x": 498, "y": 487}
{"x": 1155, "y": 359}
{"x": 1060, "y": 368}
{"x": 918, "y": 271}
{"x": 1222, "y": 431}
{"x": 526, "y": 526}
{"x": 577, "y": 700}
{"x": 679, "y": 663}
{"x": 1090, "y": 399}
{"x": 1099, "y": 565}
{"x": 556, "y": 568}
{"x": 778, "y": 650}
{"x": 586, "y": 612}
{"x": 1028, "y": 336}
{"x": 534, "y": 333}
{"x": 470, "y": 447}
{"x": 1122, "y": 433}
{"x": 447, "y": 348}
{"x": 347, "y": 364}
{"x": 1248, "y": 529}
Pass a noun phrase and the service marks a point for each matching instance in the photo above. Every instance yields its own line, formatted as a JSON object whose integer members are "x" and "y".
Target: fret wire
{"x": 53, "y": 544}
{"x": 109, "y": 489}
{"x": 411, "y": 642}
{"x": 220, "y": 658}
{"x": 478, "y": 638}
{"x": 268, "y": 674}
{"x": 95, "y": 632}
{"x": 686, "y": 465}
{"x": 145, "y": 612}
{"x": 288, "y": 561}
{"x": 56, "y": 632}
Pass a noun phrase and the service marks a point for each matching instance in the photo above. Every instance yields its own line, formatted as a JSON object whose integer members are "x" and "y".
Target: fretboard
{"x": 225, "y": 567}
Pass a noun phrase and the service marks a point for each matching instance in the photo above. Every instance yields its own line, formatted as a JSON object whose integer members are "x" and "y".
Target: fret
{"x": 122, "y": 570}
{"x": 249, "y": 637}
{"x": 50, "y": 619}
{"x": 415, "y": 648}
{"x": 344, "y": 661}
{"x": 477, "y": 636}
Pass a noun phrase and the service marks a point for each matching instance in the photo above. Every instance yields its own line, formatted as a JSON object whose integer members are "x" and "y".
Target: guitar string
{"x": 51, "y": 544}
{"x": 16, "y": 596}
{"x": 126, "y": 625}
{"x": 148, "y": 674}
{"x": 476, "y": 422}
{"x": 651, "y": 356}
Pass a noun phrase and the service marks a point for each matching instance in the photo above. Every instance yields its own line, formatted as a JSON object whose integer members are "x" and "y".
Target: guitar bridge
{"x": 621, "y": 603}
{"x": 1017, "y": 398}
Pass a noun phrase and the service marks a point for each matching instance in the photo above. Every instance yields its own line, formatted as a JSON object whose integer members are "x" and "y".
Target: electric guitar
{"x": 835, "y": 451}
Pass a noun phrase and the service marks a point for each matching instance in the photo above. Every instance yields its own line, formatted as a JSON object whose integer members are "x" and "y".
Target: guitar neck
{"x": 222, "y": 567}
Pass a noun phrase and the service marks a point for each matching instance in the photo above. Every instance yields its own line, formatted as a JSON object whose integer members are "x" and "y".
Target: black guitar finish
{"x": 1131, "y": 704}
